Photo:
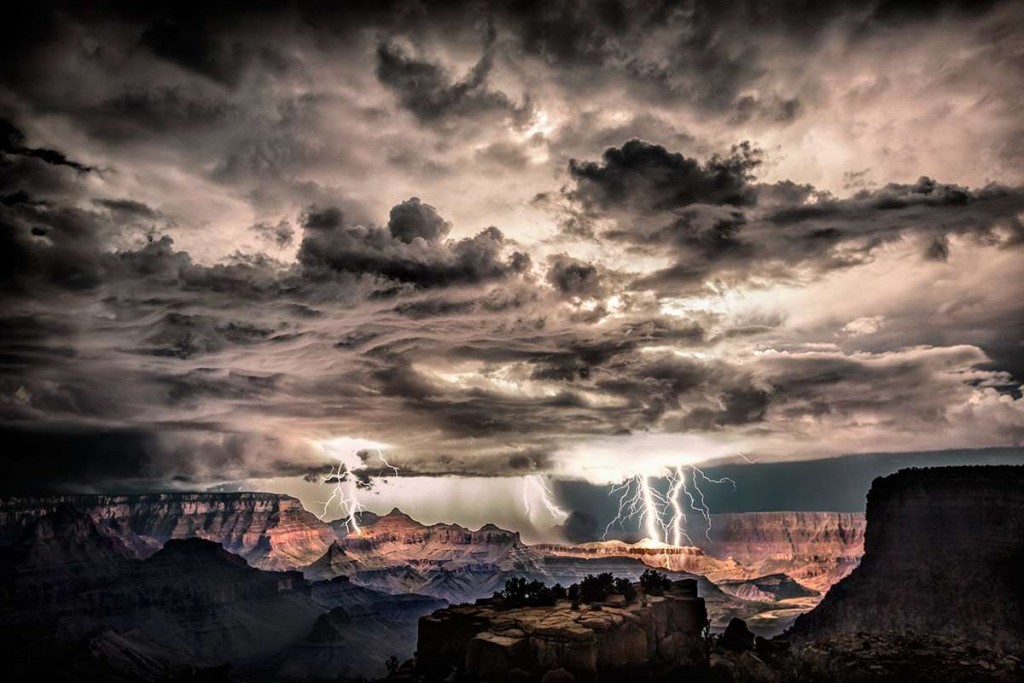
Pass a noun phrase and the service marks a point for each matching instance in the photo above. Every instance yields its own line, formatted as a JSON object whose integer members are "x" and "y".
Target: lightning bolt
{"x": 640, "y": 501}
{"x": 703, "y": 506}
{"x": 535, "y": 486}
{"x": 380, "y": 454}
{"x": 677, "y": 523}
{"x": 343, "y": 496}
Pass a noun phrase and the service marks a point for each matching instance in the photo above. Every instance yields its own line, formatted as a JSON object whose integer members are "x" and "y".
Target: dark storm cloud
{"x": 239, "y": 273}
{"x": 413, "y": 219}
{"x": 281, "y": 235}
{"x": 642, "y": 176}
{"x": 411, "y": 250}
{"x": 128, "y": 207}
{"x": 12, "y": 141}
{"x": 714, "y": 219}
{"x": 69, "y": 457}
{"x": 574, "y": 277}
{"x": 432, "y": 94}
{"x": 699, "y": 52}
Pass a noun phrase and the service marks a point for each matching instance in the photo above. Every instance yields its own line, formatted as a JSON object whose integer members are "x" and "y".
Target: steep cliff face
{"x": 271, "y": 531}
{"x": 944, "y": 554}
{"x": 815, "y": 548}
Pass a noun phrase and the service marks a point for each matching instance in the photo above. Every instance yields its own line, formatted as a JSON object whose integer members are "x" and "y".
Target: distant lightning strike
{"x": 380, "y": 454}
{"x": 344, "y": 493}
{"x": 640, "y": 501}
{"x": 343, "y": 496}
{"x": 705, "y": 512}
{"x": 678, "y": 521}
{"x": 534, "y": 487}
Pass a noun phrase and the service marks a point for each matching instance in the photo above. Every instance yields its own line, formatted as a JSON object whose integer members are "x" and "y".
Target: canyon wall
{"x": 398, "y": 539}
{"x": 944, "y": 554}
{"x": 815, "y": 548}
{"x": 269, "y": 530}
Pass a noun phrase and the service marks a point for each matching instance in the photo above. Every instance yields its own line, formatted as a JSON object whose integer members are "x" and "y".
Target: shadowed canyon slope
{"x": 944, "y": 554}
{"x": 269, "y": 530}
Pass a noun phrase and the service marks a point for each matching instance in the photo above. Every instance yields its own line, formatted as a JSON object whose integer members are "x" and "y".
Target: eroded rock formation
{"x": 612, "y": 639}
{"x": 271, "y": 531}
{"x": 815, "y": 548}
{"x": 944, "y": 555}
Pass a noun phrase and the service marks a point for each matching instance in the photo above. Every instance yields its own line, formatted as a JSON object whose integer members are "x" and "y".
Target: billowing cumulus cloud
{"x": 504, "y": 239}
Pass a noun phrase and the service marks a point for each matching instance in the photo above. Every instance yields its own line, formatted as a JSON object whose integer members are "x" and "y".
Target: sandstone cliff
{"x": 269, "y": 530}
{"x": 397, "y": 539}
{"x": 815, "y": 548}
{"x": 944, "y": 554}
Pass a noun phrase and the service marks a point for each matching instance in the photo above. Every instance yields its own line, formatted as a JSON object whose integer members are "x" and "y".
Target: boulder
{"x": 737, "y": 636}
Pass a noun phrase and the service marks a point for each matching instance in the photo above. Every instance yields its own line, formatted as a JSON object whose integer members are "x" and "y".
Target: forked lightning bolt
{"x": 534, "y": 485}
{"x": 344, "y": 491}
{"x": 343, "y": 496}
{"x": 641, "y": 501}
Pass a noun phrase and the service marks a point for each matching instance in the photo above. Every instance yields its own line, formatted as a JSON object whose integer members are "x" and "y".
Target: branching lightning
{"x": 703, "y": 509}
{"x": 343, "y": 496}
{"x": 535, "y": 487}
{"x": 380, "y": 454}
{"x": 344, "y": 488}
{"x": 642, "y": 502}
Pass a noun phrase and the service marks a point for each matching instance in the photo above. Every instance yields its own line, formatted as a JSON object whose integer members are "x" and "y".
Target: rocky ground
{"x": 857, "y": 658}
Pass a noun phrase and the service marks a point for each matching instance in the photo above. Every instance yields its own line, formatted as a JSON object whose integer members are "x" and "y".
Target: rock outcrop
{"x": 269, "y": 530}
{"x": 608, "y": 640}
{"x": 771, "y": 588}
{"x": 397, "y": 539}
{"x": 944, "y": 555}
{"x": 659, "y": 555}
{"x": 815, "y": 548}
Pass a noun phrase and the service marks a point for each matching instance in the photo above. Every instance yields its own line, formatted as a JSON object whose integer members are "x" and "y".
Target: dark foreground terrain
{"x": 251, "y": 587}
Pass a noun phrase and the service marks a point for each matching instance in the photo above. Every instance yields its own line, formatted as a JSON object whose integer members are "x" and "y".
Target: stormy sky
{"x": 579, "y": 240}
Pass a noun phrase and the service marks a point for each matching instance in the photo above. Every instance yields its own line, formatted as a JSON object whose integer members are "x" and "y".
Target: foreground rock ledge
{"x": 492, "y": 644}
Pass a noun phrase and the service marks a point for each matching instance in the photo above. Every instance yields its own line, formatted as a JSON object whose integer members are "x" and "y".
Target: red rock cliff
{"x": 816, "y": 548}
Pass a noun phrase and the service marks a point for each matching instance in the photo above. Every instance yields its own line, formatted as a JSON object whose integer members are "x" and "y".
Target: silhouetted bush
{"x": 522, "y": 593}
{"x": 596, "y": 588}
{"x": 654, "y": 582}
{"x": 624, "y": 587}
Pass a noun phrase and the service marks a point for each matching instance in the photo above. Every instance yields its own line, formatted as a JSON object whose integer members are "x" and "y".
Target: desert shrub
{"x": 558, "y": 592}
{"x": 654, "y": 582}
{"x": 596, "y": 588}
{"x": 522, "y": 593}
{"x": 624, "y": 587}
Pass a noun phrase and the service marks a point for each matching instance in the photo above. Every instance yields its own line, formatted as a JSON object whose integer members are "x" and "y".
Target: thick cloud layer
{"x": 504, "y": 239}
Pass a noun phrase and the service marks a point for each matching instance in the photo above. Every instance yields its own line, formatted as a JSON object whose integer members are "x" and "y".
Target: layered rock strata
{"x": 601, "y": 641}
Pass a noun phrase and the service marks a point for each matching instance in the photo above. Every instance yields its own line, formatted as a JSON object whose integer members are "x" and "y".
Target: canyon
{"x": 270, "y": 531}
{"x": 157, "y": 586}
